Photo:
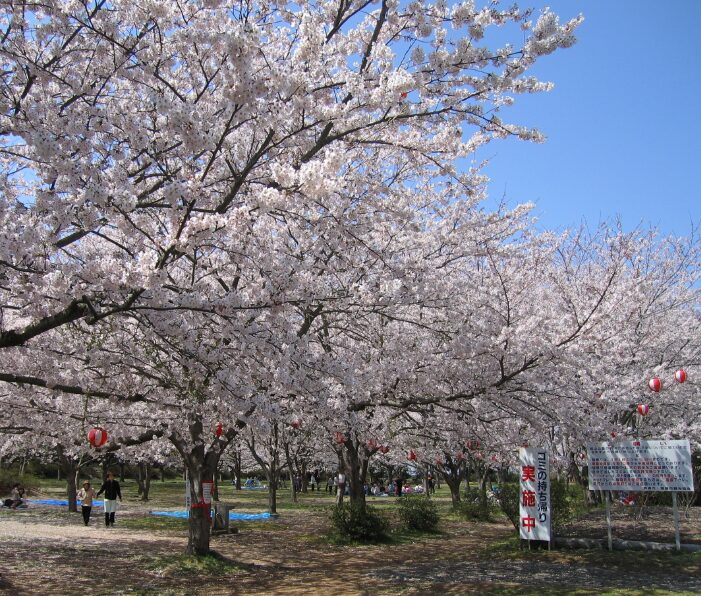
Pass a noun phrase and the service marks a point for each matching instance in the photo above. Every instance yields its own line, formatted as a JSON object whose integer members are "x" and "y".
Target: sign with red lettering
{"x": 534, "y": 500}
{"x": 641, "y": 466}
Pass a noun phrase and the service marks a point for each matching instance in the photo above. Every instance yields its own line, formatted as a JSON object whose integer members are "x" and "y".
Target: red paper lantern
{"x": 643, "y": 409}
{"x": 459, "y": 456}
{"x": 655, "y": 384}
{"x": 403, "y": 94}
{"x": 411, "y": 456}
{"x": 296, "y": 423}
{"x": 472, "y": 444}
{"x": 680, "y": 375}
{"x": 479, "y": 455}
{"x": 218, "y": 430}
{"x": 384, "y": 449}
{"x": 97, "y": 437}
{"x": 372, "y": 444}
{"x": 613, "y": 435}
{"x": 339, "y": 437}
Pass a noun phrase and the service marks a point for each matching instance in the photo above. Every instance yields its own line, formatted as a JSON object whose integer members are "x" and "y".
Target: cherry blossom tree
{"x": 207, "y": 209}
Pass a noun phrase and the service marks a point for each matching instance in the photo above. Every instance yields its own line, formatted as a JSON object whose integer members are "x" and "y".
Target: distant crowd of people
{"x": 333, "y": 483}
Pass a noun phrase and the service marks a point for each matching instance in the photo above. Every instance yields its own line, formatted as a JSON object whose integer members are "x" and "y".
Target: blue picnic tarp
{"x": 232, "y": 515}
{"x": 59, "y": 502}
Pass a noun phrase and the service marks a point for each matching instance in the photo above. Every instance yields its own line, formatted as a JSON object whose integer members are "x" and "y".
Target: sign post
{"x": 608, "y": 519}
{"x": 534, "y": 502}
{"x": 675, "y": 510}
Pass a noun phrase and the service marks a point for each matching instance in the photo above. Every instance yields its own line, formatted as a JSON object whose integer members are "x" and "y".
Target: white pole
{"x": 675, "y": 509}
{"x": 608, "y": 518}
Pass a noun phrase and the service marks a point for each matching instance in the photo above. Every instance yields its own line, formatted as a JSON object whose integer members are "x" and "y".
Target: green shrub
{"x": 508, "y": 497}
{"x": 358, "y": 522}
{"x": 565, "y": 500}
{"x": 475, "y": 506}
{"x": 563, "y": 503}
{"x": 418, "y": 513}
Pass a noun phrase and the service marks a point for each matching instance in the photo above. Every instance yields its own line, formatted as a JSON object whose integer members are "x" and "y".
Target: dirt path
{"x": 46, "y": 551}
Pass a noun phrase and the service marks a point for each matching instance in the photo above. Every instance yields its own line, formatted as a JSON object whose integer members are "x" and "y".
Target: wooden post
{"x": 675, "y": 509}
{"x": 608, "y": 519}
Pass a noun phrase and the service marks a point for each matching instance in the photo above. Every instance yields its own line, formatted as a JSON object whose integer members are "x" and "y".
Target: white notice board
{"x": 640, "y": 466}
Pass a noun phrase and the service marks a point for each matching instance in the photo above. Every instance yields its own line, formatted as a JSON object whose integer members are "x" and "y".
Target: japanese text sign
{"x": 640, "y": 466}
{"x": 534, "y": 496}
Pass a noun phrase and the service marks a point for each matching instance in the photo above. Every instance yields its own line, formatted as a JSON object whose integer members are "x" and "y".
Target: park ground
{"x": 46, "y": 550}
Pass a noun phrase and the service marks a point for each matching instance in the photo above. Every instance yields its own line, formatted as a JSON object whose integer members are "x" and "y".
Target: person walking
{"x": 111, "y": 489}
{"x": 86, "y": 496}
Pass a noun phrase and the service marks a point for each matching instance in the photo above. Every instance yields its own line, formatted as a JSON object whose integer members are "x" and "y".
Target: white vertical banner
{"x": 534, "y": 496}
{"x": 188, "y": 494}
{"x": 207, "y": 489}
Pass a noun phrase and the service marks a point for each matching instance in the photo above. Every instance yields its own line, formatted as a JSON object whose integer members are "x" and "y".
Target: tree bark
{"x": 354, "y": 459}
{"x": 452, "y": 472}
{"x": 144, "y": 480}
{"x": 237, "y": 468}
{"x": 288, "y": 459}
{"x": 69, "y": 467}
{"x": 201, "y": 466}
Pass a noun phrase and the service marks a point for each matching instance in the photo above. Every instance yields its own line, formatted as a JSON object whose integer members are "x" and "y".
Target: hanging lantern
{"x": 459, "y": 456}
{"x": 339, "y": 437}
{"x": 643, "y": 409}
{"x": 97, "y": 437}
{"x": 472, "y": 444}
{"x": 296, "y": 423}
{"x": 479, "y": 455}
{"x": 613, "y": 434}
{"x": 372, "y": 444}
{"x": 411, "y": 456}
{"x": 680, "y": 375}
{"x": 403, "y": 95}
{"x": 218, "y": 430}
{"x": 439, "y": 461}
{"x": 655, "y": 384}
{"x": 495, "y": 459}
{"x": 384, "y": 449}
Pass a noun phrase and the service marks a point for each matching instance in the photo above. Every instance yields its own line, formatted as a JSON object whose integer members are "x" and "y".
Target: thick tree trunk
{"x": 201, "y": 467}
{"x": 237, "y": 468}
{"x": 199, "y": 520}
{"x": 272, "y": 497}
{"x": 453, "y": 483}
{"x": 354, "y": 461}
{"x": 69, "y": 467}
{"x": 144, "y": 480}
{"x": 198, "y": 530}
{"x": 288, "y": 459}
{"x": 272, "y": 473}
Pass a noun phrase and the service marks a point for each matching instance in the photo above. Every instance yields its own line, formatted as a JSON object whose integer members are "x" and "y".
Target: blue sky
{"x": 623, "y": 123}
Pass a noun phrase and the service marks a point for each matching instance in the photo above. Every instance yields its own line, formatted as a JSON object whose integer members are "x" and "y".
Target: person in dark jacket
{"x": 111, "y": 489}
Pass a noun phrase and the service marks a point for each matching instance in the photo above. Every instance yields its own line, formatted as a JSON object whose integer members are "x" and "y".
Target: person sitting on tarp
{"x": 16, "y": 497}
